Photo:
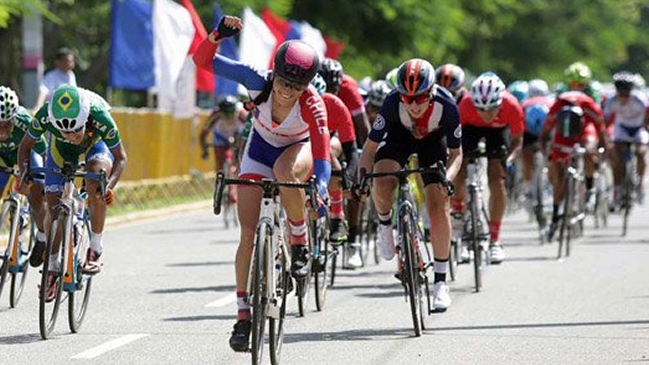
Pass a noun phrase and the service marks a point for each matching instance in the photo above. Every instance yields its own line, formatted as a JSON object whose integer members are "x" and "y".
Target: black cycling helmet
{"x": 228, "y": 105}
{"x": 296, "y": 62}
{"x": 332, "y": 72}
{"x": 624, "y": 81}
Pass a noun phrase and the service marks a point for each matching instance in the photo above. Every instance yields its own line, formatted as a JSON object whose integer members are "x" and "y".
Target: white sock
{"x": 54, "y": 264}
{"x": 40, "y": 236}
{"x": 95, "y": 243}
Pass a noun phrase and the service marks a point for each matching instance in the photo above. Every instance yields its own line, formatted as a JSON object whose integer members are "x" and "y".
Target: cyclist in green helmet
{"x": 80, "y": 126}
{"x": 14, "y": 121}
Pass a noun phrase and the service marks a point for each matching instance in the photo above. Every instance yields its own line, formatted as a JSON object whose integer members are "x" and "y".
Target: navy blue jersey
{"x": 442, "y": 117}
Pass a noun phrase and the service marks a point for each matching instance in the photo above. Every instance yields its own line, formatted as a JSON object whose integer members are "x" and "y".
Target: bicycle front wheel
{"x": 52, "y": 274}
{"x": 258, "y": 295}
{"x": 411, "y": 273}
{"x": 276, "y": 323}
{"x": 476, "y": 238}
{"x": 320, "y": 261}
{"x": 6, "y": 219}
{"x": 19, "y": 275}
{"x": 79, "y": 295}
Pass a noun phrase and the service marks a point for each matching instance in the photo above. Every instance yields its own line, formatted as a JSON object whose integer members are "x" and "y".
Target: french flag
{"x": 150, "y": 45}
{"x": 261, "y": 37}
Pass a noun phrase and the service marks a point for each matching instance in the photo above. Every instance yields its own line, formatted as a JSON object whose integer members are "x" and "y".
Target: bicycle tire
{"x": 227, "y": 203}
{"x": 333, "y": 260}
{"x": 48, "y": 311}
{"x": 411, "y": 272}
{"x": 79, "y": 297}
{"x": 276, "y": 325}
{"x": 303, "y": 286}
{"x": 19, "y": 277}
{"x": 8, "y": 212}
{"x": 627, "y": 200}
{"x": 476, "y": 238}
{"x": 321, "y": 254}
{"x": 454, "y": 253}
{"x": 258, "y": 295}
{"x": 565, "y": 230}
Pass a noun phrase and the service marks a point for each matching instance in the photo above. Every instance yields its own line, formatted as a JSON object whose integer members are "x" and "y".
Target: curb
{"x": 153, "y": 214}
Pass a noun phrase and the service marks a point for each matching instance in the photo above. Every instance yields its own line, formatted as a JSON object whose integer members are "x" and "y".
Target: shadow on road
{"x": 222, "y": 317}
{"x": 540, "y": 325}
{"x": 222, "y": 288}
{"x": 351, "y": 335}
{"x": 204, "y": 263}
{"x": 20, "y": 339}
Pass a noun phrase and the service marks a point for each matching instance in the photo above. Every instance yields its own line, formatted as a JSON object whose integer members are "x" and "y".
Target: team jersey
{"x": 510, "y": 114}
{"x": 350, "y": 96}
{"x": 592, "y": 115}
{"x": 441, "y": 116}
{"x": 9, "y": 147}
{"x": 99, "y": 126}
{"x": 224, "y": 128}
{"x": 631, "y": 113}
{"x": 306, "y": 120}
{"x": 339, "y": 118}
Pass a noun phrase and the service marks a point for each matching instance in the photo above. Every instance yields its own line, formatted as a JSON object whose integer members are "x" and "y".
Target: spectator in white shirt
{"x": 61, "y": 74}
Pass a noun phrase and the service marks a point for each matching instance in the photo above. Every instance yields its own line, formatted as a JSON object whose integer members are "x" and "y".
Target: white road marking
{"x": 107, "y": 346}
{"x": 223, "y": 301}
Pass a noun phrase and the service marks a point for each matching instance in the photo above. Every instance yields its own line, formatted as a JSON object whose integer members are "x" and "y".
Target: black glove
{"x": 223, "y": 31}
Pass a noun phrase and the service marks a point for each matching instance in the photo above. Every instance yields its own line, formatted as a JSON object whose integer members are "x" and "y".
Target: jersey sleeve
{"x": 339, "y": 118}
{"x": 515, "y": 118}
{"x": 106, "y": 127}
{"x": 36, "y": 127}
{"x": 350, "y": 96}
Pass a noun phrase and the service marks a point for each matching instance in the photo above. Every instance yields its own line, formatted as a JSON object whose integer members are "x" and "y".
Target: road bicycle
{"x": 574, "y": 200}
{"x": 230, "y": 168}
{"x": 476, "y": 218}
{"x": 628, "y": 190}
{"x": 414, "y": 256}
{"x": 269, "y": 282}
{"x": 68, "y": 240}
{"x": 541, "y": 196}
{"x": 603, "y": 178}
{"x": 18, "y": 233}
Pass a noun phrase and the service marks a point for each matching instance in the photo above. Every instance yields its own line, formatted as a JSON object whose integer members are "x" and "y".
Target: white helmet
{"x": 8, "y": 104}
{"x": 538, "y": 87}
{"x": 487, "y": 91}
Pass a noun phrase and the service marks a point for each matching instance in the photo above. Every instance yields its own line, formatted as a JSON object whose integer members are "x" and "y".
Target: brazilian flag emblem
{"x": 65, "y": 102}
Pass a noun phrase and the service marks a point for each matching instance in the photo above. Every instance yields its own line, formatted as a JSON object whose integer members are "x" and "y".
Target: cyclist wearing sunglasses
{"x": 80, "y": 124}
{"x": 289, "y": 141}
{"x": 14, "y": 122}
{"x": 627, "y": 111}
{"x": 488, "y": 113}
{"x": 419, "y": 118}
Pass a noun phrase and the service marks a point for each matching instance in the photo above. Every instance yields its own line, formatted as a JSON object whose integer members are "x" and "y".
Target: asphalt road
{"x": 166, "y": 297}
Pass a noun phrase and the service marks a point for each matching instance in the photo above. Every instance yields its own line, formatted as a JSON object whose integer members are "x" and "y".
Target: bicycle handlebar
{"x": 70, "y": 173}
{"x": 268, "y": 185}
{"x": 438, "y": 169}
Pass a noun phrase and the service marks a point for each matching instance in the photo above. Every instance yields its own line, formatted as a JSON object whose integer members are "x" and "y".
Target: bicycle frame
{"x": 573, "y": 200}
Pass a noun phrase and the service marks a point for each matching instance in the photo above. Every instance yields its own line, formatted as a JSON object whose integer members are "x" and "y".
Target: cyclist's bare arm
{"x": 453, "y": 163}
{"x": 118, "y": 165}
{"x": 366, "y": 160}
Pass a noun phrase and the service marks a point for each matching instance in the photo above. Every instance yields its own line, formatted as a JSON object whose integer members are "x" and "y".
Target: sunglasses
{"x": 488, "y": 109}
{"x": 418, "y": 99}
{"x": 291, "y": 85}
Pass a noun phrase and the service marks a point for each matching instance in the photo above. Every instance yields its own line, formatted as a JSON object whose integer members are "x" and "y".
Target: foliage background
{"x": 519, "y": 39}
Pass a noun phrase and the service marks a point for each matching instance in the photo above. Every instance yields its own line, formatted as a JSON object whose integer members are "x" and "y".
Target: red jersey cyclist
{"x": 486, "y": 113}
{"x": 343, "y": 148}
{"x": 289, "y": 141}
{"x": 419, "y": 118}
{"x": 575, "y": 118}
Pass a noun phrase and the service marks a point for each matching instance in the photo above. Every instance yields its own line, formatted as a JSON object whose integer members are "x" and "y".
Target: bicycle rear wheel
{"x": 49, "y": 310}
{"x": 258, "y": 295}
{"x": 411, "y": 272}
{"x": 19, "y": 275}
{"x": 476, "y": 239}
{"x": 276, "y": 325}
{"x": 627, "y": 198}
{"x": 79, "y": 297}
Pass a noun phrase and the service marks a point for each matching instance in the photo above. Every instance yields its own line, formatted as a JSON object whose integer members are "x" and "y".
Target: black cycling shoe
{"x": 239, "y": 341}
{"x": 339, "y": 231}
{"x": 300, "y": 261}
{"x": 36, "y": 258}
